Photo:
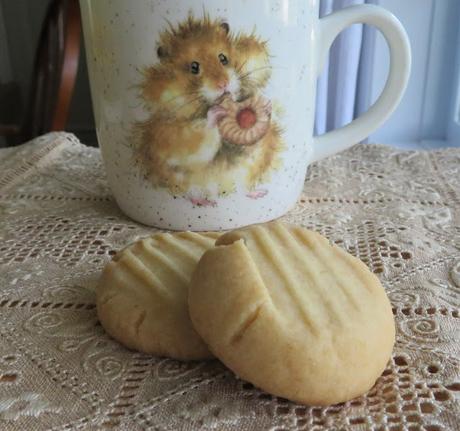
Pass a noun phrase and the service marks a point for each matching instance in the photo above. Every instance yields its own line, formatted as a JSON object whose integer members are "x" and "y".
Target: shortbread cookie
{"x": 292, "y": 314}
{"x": 142, "y": 295}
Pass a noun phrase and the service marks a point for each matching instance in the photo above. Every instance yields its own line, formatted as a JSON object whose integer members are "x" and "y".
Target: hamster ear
{"x": 161, "y": 52}
{"x": 225, "y": 26}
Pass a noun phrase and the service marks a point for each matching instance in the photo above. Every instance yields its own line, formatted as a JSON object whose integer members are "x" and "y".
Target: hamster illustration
{"x": 203, "y": 69}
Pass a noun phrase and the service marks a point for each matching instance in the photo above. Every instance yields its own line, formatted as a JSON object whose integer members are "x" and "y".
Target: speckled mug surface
{"x": 204, "y": 109}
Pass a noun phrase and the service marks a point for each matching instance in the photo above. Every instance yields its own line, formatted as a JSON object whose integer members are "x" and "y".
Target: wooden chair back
{"x": 54, "y": 73}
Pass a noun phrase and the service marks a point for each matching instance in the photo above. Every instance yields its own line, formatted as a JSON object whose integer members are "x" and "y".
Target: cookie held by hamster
{"x": 245, "y": 122}
{"x": 142, "y": 295}
{"x": 292, "y": 314}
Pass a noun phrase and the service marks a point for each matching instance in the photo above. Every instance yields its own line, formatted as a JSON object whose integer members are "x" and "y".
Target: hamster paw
{"x": 215, "y": 114}
{"x": 203, "y": 202}
{"x": 257, "y": 194}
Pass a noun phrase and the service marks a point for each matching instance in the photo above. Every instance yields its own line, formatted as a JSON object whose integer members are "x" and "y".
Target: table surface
{"x": 397, "y": 211}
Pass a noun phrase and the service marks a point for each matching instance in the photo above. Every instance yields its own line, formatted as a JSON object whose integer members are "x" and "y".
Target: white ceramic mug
{"x": 204, "y": 108}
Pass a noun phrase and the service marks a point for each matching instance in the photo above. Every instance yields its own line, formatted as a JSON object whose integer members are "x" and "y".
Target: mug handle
{"x": 400, "y": 63}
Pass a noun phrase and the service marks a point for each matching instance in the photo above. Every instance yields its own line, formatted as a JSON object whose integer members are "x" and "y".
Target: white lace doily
{"x": 397, "y": 211}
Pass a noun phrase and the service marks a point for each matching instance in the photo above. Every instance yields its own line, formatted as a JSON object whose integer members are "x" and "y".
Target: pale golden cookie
{"x": 142, "y": 295}
{"x": 292, "y": 314}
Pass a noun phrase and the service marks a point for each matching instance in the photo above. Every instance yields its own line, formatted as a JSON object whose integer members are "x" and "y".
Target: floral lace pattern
{"x": 397, "y": 211}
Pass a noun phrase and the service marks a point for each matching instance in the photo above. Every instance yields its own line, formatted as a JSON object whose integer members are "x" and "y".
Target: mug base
{"x": 207, "y": 221}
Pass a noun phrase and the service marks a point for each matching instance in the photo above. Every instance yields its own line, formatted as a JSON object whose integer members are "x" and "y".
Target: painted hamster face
{"x": 208, "y": 66}
{"x": 199, "y": 62}
{"x": 212, "y": 75}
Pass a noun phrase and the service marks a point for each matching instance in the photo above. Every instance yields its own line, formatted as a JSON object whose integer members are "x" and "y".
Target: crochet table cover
{"x": 397, "y": 211}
